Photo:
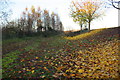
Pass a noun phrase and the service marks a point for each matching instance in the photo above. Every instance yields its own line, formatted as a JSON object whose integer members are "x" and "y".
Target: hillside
{"x": 93, "y": 54}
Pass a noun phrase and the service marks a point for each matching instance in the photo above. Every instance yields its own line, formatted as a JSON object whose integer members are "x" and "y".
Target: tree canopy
{"x": 86, "y": 11}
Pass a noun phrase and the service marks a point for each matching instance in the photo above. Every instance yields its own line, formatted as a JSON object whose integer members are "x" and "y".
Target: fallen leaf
{"x": 80, "y": 70}
{"x": 32, "y": 71}
{"x": 59, "y": 68}
{"x": 72, "y": 75}
{"x": 37, "y": 57}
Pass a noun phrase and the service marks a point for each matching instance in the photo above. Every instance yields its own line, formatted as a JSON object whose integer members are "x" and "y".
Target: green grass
{"x": 16, "y": 40}
{"x": 12, "y": 56}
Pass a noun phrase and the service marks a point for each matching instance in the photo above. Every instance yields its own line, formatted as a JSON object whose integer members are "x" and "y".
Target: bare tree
{"x": 57, "y": 22}
{"x": 5, "y": 11}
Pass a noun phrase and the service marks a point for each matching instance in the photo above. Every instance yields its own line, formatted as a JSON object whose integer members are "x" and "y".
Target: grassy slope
{"x": 90, "y": 55}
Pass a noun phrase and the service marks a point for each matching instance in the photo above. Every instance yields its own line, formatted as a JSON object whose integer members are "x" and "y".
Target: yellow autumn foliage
{"x": 85, "y": 34}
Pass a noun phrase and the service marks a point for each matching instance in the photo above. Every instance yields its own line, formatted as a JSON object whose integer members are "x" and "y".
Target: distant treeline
{"x": 33, "y": 22}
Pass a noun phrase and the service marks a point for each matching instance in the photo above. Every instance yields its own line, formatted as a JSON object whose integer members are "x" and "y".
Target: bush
{"x": 9, "y": 32}
{"x": 71, "y": 34}
{"x": 15, "y": 32}
{"x": 50, "y": 33}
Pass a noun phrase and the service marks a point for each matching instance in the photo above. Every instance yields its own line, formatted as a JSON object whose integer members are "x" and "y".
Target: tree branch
{"x": 114, "y": 5}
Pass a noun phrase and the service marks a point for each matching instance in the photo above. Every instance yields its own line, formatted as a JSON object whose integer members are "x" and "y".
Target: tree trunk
{"x": 81, "y": 26}
{"x": 89, "y": 26}
{"x": 119, "y": 14}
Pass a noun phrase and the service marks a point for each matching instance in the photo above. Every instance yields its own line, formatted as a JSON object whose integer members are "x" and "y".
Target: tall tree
{"x": 39, "y": 21}
{"x": 78, "y": 17}
{"x": 53, "y": 20}
{"x": 86, "y": 11}
{"x": 22, "y": 22}
{"x": 61, "y": 26}
{"x": 46, "y": 19}
{"x": 57, "y": 22}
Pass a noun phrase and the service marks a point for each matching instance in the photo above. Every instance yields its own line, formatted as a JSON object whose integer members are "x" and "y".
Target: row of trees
{"x": 33, "y": 21}
{"x": 40, "y": 20}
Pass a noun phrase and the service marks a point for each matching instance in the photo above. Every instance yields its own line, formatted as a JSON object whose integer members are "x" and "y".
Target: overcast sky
{"x": 62, "y": 8}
